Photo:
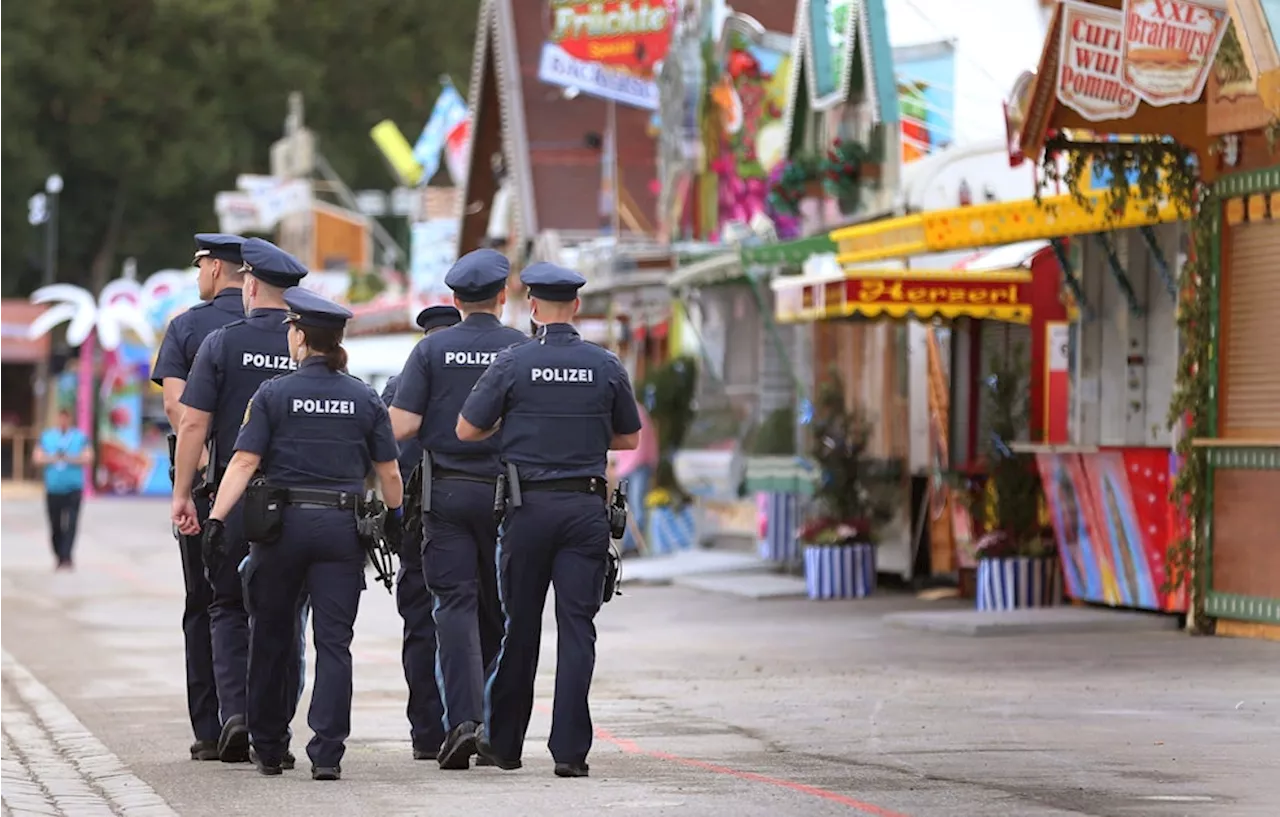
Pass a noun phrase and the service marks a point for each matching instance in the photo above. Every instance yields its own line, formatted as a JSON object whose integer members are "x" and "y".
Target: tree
{"x": 147, "y": 108}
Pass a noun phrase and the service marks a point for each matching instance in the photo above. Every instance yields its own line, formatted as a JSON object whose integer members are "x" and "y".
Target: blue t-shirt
{"x": 63, "y": 477}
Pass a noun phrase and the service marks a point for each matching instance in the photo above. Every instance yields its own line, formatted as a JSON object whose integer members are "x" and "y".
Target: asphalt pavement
{"x": 704, "y": 704}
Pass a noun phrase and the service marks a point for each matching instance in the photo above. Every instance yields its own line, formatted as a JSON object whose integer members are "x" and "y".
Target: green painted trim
{"x": 1215, "y": 307}
{"x": 1245, "y": 457}
{"x": 1247, "y": 183}
{"x": 788, "y": 252}
{"x": 779, "y": 485}
{"x": 1202, "y": 572}
{"x": 1238, "y": 607}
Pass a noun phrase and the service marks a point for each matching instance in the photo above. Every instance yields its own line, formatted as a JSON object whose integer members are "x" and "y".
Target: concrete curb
{"x": 1040, "y": 621}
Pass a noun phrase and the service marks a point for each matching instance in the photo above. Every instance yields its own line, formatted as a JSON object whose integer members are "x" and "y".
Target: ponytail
{"x": 328, "y": 344}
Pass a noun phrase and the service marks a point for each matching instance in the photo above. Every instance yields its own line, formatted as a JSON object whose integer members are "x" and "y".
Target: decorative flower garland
{"x": 1164, "y": 171}
{"x": 788, "y": 182}
{"x": 841, "y": 170}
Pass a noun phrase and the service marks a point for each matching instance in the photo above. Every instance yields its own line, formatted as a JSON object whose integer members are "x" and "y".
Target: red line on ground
{"x": 630, "y": 747}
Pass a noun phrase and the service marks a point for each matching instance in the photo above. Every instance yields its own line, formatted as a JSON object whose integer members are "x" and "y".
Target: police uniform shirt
{"x": 187, "y": 331}
{"x": 317, "y": 428}
{"x": 561, "y": 401}
{"x": 410, "y": 450}
{"x": 232, "y": 362}
{"x": 436, "y": 380}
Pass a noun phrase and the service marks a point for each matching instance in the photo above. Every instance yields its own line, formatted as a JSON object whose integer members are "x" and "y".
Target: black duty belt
{"x": 317, "y": 498}
{"x": 571, "y": 485}
{"x": 450, "y": 473}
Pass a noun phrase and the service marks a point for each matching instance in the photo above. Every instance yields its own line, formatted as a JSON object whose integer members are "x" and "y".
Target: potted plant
{"x": 668, "y": 397}
{"x": 1017, "y": 565}
{"x": 852, "y": 497}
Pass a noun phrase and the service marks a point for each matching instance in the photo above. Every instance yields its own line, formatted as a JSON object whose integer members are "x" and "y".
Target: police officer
{"x": 460, "y": 531}
{"x": 314, "y": 434}
{"x": 418, "y": 654}
{"x": 232, "y": 362}
{"x": 562, "y": 405}
{"x": 219, "y": 280}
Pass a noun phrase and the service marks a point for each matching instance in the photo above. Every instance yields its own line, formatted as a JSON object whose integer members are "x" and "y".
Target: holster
{"x": 263, "y": 512}
{"x": 173, "y": 454}
{"x": 426, "y": 482}
{"x": 514, "y": 497}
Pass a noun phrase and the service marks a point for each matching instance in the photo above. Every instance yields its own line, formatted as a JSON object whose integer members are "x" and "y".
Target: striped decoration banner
{"x": 781, "y": 528}
{"x": 671, "y": 530}
{"x": 839, "y": 571}
{"x": 1018, "y": 582}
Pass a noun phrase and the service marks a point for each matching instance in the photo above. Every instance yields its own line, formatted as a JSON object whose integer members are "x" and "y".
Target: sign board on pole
{"x": 371, "y": 202}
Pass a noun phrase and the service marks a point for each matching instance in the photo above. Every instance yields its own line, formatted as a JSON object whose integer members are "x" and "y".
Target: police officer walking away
{"x": 460, "y": 532}
{"x": 219, "y": 281}
{"x": 313, "y": 434}
{"x": 562, "y": 405}
{"x": 413, "y": 600}
{"x": 232, "y": 362}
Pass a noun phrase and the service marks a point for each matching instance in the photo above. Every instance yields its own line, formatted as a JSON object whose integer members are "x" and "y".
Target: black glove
{"x": 213, "y": 544}
{"x": 393, "y": 528}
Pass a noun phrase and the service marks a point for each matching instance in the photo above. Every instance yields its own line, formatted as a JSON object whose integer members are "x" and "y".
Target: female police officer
{"x": 313, "y": 434}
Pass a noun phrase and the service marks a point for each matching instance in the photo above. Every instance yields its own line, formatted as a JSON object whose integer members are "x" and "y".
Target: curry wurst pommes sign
{"x": 1169, "y": 46}
{"x": 1089, "y": 66}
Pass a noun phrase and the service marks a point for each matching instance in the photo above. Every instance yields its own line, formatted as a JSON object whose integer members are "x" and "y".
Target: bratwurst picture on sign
{"x": 1089, "y": 65}
{"x": 1169, "y": 46}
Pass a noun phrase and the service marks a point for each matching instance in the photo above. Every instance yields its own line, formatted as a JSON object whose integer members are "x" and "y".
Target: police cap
{"x": 222, "y": 246}
{"x": 306, "y": 308}
{"x": 270, "y": 264}
{"x": 551, "y": 282}
{"x": 437, "y": 316}
{"x": 478, "y": 276}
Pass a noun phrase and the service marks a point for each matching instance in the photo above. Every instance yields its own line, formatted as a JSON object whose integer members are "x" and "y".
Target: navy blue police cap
{"x": 434, "y": 317}
{"x": 478, "y": 276}
{"x": 270, "y": 264}
{"x": 306, "y": 308}
{"x": 551, "y": 282}
{"x": 222, "y": 246}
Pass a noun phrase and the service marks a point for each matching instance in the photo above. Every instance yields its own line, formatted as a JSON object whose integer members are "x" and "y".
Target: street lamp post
{"x": 52, "y": 186}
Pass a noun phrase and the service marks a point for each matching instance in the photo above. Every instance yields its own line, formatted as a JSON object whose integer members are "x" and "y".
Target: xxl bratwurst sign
{"x": 1169, "y": 46}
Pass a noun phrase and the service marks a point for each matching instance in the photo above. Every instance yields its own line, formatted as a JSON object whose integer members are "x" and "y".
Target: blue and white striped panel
{"x": 782, "y": 527}
{"x": 1018, "y": 583}
{"x": 671, "y": 530}
{"x": 840, "y": 571}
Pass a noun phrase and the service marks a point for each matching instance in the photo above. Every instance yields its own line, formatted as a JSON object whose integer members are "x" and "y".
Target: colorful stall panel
{"x": 1110, "y": 513}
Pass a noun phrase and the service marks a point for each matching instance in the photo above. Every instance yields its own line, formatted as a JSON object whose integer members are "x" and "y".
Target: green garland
{"x": 1165, "y": 171}
{"x": 787, "y": 192}
{"x": 841, "y": 171}
{"x": 1193, "y": 386}
{"x": 1163, "y": 168}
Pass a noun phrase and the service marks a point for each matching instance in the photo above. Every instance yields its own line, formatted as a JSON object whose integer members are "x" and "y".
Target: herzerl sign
{"x": 1089, "y": 80}
{"x": 607, "y": 48}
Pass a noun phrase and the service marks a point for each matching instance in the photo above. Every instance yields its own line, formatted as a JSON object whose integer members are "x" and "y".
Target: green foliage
{"x": 841, "y": 172}
{"x": 1192, "y": 397}
{"x": 789, "y": 189}
{"x": 668, "y": 396}
{"x": 1144, "y": 172}
{"x": 776, "y": 435}
{"x": 853, "y": 490}
{"x": 1013, "y": 516}
{"x": 149, "y": 108}
{"x": 365, "y": 286}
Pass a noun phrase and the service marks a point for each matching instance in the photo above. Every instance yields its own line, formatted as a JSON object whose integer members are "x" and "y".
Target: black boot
{"x": 265, "y": 768}
{"x": 484, "y": 750}
{"x": 459, "y": 745}
{"x": 572, "y": 769}
{"x": 326, "y": 772}
{"x": 204, "y": 750}
{"x": 233, "y": 746}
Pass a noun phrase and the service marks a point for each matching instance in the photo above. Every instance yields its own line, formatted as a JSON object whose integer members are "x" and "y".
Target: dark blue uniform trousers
{"x": 418, "y": 654}
{"x": 561, "y": 540}
{"x": 229, "y": 620}
{"x": 459, "y": 564}
{"x": 317, "y": 550}
{"x": 202, "y": 690}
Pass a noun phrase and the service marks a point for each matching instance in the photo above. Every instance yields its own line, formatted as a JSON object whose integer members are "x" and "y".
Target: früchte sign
{"x": 608, "y": 48}
{"x": 1169, "y": 46}
{"x": 1089, "y": 80}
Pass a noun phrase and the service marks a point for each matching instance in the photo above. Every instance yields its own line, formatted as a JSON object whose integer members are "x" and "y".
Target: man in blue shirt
{"x": 64, "y": 451}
